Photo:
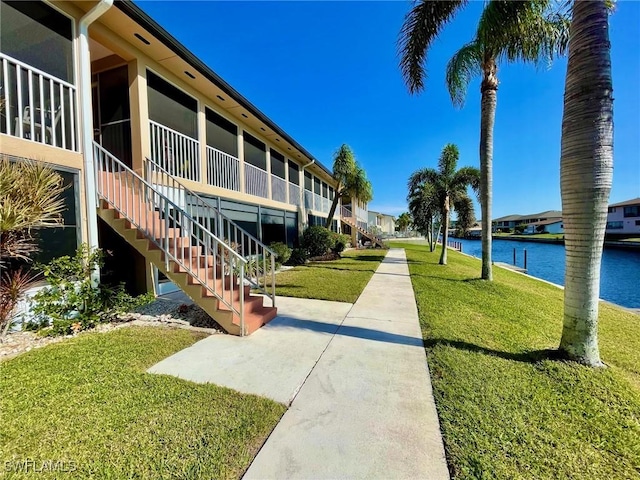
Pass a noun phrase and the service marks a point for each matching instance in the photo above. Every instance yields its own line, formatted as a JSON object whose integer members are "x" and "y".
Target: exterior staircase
{"x": 348, "y": 218}
{"x": 203, "y": 252}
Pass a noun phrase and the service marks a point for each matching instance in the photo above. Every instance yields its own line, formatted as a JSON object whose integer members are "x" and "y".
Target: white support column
{"x": 241, "y": 158}
{"x": 86, "y": 122}
{"x": 286, "y": 179}
{"x": 269, "y": 192}
{"x": 202, "y": 138}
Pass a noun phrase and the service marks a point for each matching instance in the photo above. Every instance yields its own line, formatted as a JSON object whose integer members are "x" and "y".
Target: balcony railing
{"x": 278, "y": 189}
{"x": 223, "y": 170}
{"x": 255, "y": 181}
{"x": 177, "y": 153}
{"x": 294, "y": 194}
{"x": 37, "y": 106}
{"x": 308, "y": 199}
{"x": 317, "y": 202}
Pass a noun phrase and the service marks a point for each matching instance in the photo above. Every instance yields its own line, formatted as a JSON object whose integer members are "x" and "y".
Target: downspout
{"x": 303, "y": 209}
{"x": 86, "y": 116}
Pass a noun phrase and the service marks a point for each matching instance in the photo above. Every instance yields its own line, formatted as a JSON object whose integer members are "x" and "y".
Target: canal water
{"x": 619, "y": 276}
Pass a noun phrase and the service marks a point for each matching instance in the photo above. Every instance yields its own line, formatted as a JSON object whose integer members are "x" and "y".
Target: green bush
{"x": 506, "y": 230}
{"x": 519, "y": 229}
{"x": 340, "y": 242}
{"x": 282, "y": 252}
{"x": 71, "y": 303}
{"x": 317, "y": 240}
{"x": 299, "y": 256}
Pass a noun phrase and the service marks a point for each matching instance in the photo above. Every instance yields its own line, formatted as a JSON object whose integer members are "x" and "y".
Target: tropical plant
{"x": 424, "y": 208}
{"x": 30, "y": 197}
{"x": 282, "y": 252}
{"x": 450, "y": 187}
{"x": 13, "y": 286}
{"x": 528, "y": 31}
{"x": 71, "y": 302}
{"x": 466, "y": 216}
{"x": 351, "y": 180}
{"x": 404, "y": 221}
{"x": 586, "y": 172}
{"x": 317, "y": 240}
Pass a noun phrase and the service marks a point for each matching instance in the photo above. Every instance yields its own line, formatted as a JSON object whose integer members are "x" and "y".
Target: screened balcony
{"x": 38, "y": 98}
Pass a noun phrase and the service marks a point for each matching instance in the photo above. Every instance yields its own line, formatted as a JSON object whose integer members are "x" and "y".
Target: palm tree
{"x": 508, "y": 30}
{"x": 424, "y": 209}
{"x": 449, "y": 185}
{"x": 351, "y": 180}
{"x": 586, "y": 171}
{"x": 404, "y": 221}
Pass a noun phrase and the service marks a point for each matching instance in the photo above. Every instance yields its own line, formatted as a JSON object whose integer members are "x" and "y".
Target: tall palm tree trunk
{"x": 489, "y": 90}
{"x": 445, "y": 233}
{"x": 332, "y": 210}
{"x": 586, "y": 171}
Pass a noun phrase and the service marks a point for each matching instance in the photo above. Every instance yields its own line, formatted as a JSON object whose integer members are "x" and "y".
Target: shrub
{"x": 299, "y": 256}
{"x": 340, "y": 242}
{"x": 317, "y": 240}
{"x": 506, "y": 230}
{"x": 519, "y": 229}
{"x": 282, "y": 252}
{"x": 71, "y": 303}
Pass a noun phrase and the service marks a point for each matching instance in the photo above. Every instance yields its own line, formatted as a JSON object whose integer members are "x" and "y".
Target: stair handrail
{"x": 230, "y": 259}
{"x": 250, "y": 247}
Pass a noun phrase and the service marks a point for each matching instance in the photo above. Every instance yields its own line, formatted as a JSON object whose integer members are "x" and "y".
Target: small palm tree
{"x": 30, "y": 197}
{"x": 507, "y": 31}
{"x": 449, "y": 185}
{"x": 424, "y": 209}
{"x": 586, "y": 172}
{"x": 351, "y": 180}
{"x": 404, "y": 221}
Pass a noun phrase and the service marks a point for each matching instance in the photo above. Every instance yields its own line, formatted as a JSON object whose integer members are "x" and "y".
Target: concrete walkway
{"x": 366, "y": 409}
{"x": 355, "y": 377}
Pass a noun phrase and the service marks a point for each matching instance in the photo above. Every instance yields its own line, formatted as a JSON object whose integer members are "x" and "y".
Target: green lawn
{"x": 339, "y": 280}
{"x": 88, "y": 401}
{"x": 507, "y": 409}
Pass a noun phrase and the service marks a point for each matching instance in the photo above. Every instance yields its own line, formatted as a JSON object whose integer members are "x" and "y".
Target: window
{"x": 171, "y": 107}
{"x": 255, "y": 152}
{"x": 221, "y": 133}
{"x": 308, "y": 181}
{"x": 325, "y": 190}
{"x": 316, "y": 185}
{"x": 277, "y": 164}
{"x": 633, "y": 211}
{"x": 38, "y": 35}
{"x": 615, "y": 225}
{"x": 294, "y": 173}
{"x": 637, "y": 223}
{"x": 611, "y": 210}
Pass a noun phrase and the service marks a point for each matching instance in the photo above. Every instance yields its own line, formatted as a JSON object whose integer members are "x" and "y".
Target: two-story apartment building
{"x": 144, "y": 133}
{"x": 511, "y": 221}
{"x": 382, "y": 223}
{"x": 623, "y": 218}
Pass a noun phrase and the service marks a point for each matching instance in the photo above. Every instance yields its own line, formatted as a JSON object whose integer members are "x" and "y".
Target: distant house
{"x": 511, "y": 221}
{"x": 382, "y": 223}
{"x": 475, "y": 231}
{"x": 624, "y": 218}
{"x": 546, "y": 226}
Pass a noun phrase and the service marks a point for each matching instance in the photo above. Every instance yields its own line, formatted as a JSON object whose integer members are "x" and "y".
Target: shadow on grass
{"x": 532, "y": 356}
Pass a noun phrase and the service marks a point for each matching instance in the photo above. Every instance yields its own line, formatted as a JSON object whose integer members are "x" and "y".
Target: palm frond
{"x": 466, "y": 176}
{"x": 465, "y": 212}
{"x": 421, "y": 27}
{"x": 422, "y": 176}
{"x": 343, "y": 163}
{"x": 448, "y": 161}
{"x": 465, "y": 64}
{"x": 359, "y": 186}
{"x": 534, "y": 31}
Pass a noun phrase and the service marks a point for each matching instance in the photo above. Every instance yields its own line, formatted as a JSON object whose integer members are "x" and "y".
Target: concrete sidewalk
{"x": 366, "y": 409}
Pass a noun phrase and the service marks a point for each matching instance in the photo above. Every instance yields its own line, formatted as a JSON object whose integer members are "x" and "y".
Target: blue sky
{"x": 327, "y": 73}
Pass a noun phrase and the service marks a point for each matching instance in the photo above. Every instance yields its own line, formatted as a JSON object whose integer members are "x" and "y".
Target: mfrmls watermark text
{"x": 31, "y": 465}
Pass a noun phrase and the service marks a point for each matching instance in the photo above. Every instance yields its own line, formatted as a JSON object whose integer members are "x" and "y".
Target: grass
{"x": 339, "y": 280}
{"x": 89, "y": 401}
{"x": 507, "y": 408}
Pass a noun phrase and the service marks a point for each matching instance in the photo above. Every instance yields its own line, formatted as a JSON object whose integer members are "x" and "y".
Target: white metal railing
{"x": 345, "y": 212}
{"x": 182, "y": 238}
{"x": 177, "y": 153}
{"x": 37, "y": 106}
{"x": 278, "y": 189}
{"x": 294, "y": 194}
{"x": 308, "y": 199}
{"x": 325, "y": 205}
{"x": 261, "y": 259}
{"x": 223, "y": 170}
{"x": 256, "y": 181}
{"x": 317, "y": 202}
